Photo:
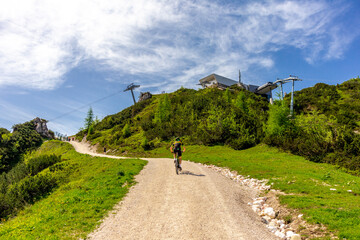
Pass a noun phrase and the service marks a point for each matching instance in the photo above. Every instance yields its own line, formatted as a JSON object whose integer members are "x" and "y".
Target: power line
{"x": 86, "y": 105}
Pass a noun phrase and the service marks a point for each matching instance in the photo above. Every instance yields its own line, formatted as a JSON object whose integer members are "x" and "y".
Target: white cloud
{"x": 43, "y": 40}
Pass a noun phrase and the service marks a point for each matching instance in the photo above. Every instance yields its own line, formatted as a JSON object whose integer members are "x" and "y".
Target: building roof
{"x": 219, "y": 79}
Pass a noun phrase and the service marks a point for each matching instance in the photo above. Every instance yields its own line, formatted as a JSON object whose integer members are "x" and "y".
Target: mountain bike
{"x": 177, "y": 167}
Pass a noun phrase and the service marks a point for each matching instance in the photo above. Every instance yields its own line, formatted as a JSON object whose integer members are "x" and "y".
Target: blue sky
{"x": 60, "y": 56}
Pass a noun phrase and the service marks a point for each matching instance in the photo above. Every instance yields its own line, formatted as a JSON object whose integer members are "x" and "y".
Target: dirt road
{"x": 197, "y": 204}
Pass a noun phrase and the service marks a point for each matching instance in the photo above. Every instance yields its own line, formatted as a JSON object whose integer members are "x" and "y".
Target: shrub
{"x": 126, "y": 131}
{"x": 27, "y": 191}
{"x": 22, "y": 184}
{"x": 90, "y": 130}
{"x": 145, "y": 144}
{"x": 37, "y": 164}
{"x": 278, "y": 121}
{"x": 93, "y": 136}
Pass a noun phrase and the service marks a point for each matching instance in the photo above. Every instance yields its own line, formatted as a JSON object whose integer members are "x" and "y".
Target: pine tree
{"x": 89, "y": 119}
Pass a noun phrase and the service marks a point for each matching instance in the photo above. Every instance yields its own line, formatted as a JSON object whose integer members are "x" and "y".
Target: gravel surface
{"x": 197, "y": 204}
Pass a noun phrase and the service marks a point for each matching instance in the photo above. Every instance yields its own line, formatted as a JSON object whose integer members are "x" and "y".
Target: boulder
{"x": 41, "y": 127}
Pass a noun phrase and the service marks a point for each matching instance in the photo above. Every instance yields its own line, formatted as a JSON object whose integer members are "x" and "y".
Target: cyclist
{"x": 176, "y": 148}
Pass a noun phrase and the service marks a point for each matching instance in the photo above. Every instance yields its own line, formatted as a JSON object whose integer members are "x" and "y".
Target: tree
{"x": 278, "y": 121}
{"x": 163, "y": 111}
{"x": 89, "y": 119}
{"x": 241, "y": 103}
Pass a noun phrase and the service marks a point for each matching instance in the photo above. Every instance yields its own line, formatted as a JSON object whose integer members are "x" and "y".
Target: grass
{"x": 88, "y": 188}
{"x": 307, "y": 183}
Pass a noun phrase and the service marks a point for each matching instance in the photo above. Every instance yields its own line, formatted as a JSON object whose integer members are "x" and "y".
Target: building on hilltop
{"x": 217, "y": 81}
{"x": 144, "y": 95}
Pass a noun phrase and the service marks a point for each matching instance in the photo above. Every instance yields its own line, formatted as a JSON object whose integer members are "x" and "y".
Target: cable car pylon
{"x": 131, "y": 87}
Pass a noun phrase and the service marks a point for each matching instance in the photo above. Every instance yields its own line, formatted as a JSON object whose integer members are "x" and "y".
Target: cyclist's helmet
{"x": 177, "y": 139}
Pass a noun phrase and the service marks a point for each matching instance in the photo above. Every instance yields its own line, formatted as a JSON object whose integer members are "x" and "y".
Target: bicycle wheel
{"x": 177, "y": 166}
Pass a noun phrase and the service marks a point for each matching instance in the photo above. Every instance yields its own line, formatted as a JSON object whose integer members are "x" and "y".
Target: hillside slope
{"x": 208, "y": 116}
{"x": 341, "y": 102}
{"x": 324, "y": 129}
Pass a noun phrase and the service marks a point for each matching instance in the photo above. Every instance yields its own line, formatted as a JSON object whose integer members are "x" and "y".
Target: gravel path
{"x": 197, "y": 204}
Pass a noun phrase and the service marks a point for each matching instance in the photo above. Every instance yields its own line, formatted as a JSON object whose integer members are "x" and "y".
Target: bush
{"x": 93, "y": 136}
{"x": 28, "y": 191}
{"x": 37, "y": 164}
{"x": 13, "y": 145}
{"x": 23, "y": 184}
{"x": 126, "y": 131}
{"x": 90, "y": 130}
{"x": 278, "y": 121}
{"x": 145, "y": 144}
{"x": 242, "y": 142}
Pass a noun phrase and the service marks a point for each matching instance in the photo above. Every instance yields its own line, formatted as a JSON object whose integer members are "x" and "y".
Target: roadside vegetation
{"x": 57, "y": 193}
{"x": 325, "y": 128}
{"x": 306, "y": 184}
{"x": 13, "y": 145}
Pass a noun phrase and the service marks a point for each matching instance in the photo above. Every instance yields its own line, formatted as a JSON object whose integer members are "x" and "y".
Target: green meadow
{"x": 87, "y": 189}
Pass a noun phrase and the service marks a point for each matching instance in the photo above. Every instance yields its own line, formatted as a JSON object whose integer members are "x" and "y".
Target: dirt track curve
{"x": 197, "y": 204}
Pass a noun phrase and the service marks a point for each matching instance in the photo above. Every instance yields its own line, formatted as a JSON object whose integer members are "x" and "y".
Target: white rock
{"x": 350, "y": 191}
{"x": 258, "y": 202}
{"x": 279, "y": 234}
{"x": 332, "y": 189}
{"x": 255, "y": 209}
{"x": 269, "y": 211}
{"x": 295, "y": 237}
{"x": 280, "y": 222}
{"x": 300, "y": 215}
{"x": 273, "y": 223}
{"x": 289, "y": 234}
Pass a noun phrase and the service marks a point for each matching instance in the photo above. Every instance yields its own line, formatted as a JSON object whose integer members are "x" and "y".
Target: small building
{"x": 144, "y": 95}
{"x": 217, "y": 81}
{"x": 221, "y": 82}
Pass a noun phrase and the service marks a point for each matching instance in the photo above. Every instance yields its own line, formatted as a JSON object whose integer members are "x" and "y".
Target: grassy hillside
{"x": 342, "y": 102}
{"x": 209, "y": 116}
{"x": 85, "y": 189}
{"x": 325, "y": 127}
{"x": 306, "y": 184}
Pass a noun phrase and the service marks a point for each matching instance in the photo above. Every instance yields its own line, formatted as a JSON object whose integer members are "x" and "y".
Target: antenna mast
{"x": 131, "y": 87}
